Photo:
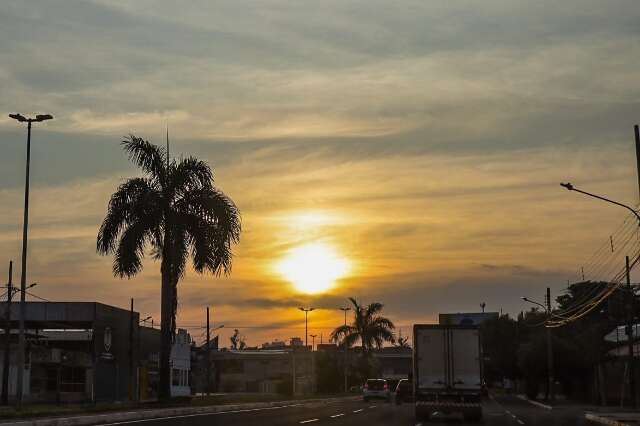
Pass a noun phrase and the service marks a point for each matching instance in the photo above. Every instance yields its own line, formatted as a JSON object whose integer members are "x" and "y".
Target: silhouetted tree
{"x": 237, "y": 341}
{"x": 402, "y": 342}
{"x": 174, "y": 210}
{"x": 368, "y": 327}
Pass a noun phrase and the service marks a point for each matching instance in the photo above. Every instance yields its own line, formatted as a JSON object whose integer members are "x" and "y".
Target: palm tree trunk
{"x": 166, "y": 302}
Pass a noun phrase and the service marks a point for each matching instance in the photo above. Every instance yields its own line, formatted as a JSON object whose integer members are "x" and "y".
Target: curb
{"x": 536, "y": 403}
{"x": 603, "y": 420}
{"x": 117, "y": 417}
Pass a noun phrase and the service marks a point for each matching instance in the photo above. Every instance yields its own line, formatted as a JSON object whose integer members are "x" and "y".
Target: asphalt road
{"x": 499, "y": 411}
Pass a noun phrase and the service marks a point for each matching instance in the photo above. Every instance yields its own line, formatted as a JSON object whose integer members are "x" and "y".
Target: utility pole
{"x": 313, "y": 363}
{"x": 131, "y": 372}
{"x": 7, "y": 339}
{"x": 637, "y": 134}
{"x": 550, "y": 377}
{"x": 630, "y": 336}
{"x": 346, "y": 388}
{"x": 208, "y": 354}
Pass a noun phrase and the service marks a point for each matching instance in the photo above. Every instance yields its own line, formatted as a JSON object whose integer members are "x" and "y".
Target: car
{"x": 376, "y": 389}
{"x": 404, "y": 391}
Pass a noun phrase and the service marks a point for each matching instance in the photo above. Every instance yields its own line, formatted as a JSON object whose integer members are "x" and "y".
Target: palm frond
{"x": 125, "y": 204}
{"x": 373, "y": 309}
{"x": 190, "y": 173}
{"x": 149, "y": 157}
{"x": 130, "y": 252}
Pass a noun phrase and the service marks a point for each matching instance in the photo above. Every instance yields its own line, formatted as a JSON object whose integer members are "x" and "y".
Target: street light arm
{"x": 570, "y": 187}
{"x": 535, "y": 303}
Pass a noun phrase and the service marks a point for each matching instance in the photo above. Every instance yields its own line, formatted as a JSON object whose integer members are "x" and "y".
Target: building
{"x": 466, "y": 318}
{"x": 86, "y": 351}
{"x": 271, "y": 369}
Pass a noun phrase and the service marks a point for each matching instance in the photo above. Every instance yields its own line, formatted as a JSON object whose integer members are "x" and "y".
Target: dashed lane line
{"x": 372, "y": 406}
{"x": 153, "y": 419}
{"x": 337, "y": 415}
{"x": 357, "y": 411}
{"x": 520, "y": 421}
{"x": 308, "y": 421}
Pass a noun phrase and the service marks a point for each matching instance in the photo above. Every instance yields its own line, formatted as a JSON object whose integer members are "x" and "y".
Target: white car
{"x": 376, "y": 389}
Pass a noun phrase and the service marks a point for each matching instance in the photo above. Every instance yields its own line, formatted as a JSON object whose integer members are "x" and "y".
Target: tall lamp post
{"x": 629, "y": 327}
{"x": 25, "y": 226}
{"x": 346, "y": 389}
{"x": 306, "y": 323}
{"x": 547, "y": 309}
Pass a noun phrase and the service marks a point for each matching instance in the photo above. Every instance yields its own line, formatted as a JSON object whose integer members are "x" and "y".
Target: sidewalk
{"x": 611, "y": 416}
{"x": 143, "y": 414}
{"x": 614, "y": 419}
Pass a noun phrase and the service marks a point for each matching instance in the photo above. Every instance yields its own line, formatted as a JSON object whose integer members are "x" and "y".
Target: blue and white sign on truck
{"x": 447, "y": 371}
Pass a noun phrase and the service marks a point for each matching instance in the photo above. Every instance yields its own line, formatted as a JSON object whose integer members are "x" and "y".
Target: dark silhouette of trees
{"x": 237, "y": 341}
{"x": 175, "y": 211}
{"x": 368, "y": 327}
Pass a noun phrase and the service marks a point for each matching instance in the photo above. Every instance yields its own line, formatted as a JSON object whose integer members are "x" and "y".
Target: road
{"x": 499, "y": 411}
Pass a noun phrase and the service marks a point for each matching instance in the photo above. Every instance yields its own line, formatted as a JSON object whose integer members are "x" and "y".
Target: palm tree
{"x": 368, "y": 327}
{"x": 403, "y": 342}
{"x": 176, "y": 212}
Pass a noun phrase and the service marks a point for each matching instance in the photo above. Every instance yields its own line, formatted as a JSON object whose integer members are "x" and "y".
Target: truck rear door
{"x": 431, "y": 358}
{"x": 464, "y": 346}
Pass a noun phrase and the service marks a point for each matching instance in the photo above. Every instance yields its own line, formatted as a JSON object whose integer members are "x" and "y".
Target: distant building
{"x": 467, "y": 318}
{"x": 276, "y": 344}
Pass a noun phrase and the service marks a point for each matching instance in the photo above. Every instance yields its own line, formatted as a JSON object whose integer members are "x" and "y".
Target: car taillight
{"x": 386, "y": 386}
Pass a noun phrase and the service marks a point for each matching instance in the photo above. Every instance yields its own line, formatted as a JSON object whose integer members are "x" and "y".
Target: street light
{"x": 345, "y": 310}
{"x": 306, "y": 323}
{"x": 547, "y": 309}
{"x": 570, "y": 187}
{"x": 631, "y": 368}
{"x": 25, "y": 226}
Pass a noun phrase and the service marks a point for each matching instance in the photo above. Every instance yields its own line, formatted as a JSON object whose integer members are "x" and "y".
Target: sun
{"x": 313, "y": 268}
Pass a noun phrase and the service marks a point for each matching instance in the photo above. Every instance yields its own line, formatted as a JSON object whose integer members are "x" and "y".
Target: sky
{"x": 423, "y": 141}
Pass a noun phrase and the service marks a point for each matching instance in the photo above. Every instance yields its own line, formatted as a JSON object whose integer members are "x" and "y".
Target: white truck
{"x": 447, "y": 371}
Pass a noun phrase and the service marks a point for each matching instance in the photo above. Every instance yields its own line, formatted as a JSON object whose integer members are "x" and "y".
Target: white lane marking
{"x": 514, "y": 416}
{"x": 357, "y": 411}
{"x": 308, "y": 421}
{"x": 337, "y": 415}
{"x": 248, "y": 410}
{"x": 520, "y": 421}
{"x": 508, "y": 412}
{"x": 419, "y": 424}
{"x": 373, "y": 406}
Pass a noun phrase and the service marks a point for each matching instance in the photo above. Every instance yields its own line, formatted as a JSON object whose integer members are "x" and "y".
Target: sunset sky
{"x": 420, "y": 142}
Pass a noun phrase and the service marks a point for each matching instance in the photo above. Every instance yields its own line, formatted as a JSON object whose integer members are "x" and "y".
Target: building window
{"x": 175, "y": 377}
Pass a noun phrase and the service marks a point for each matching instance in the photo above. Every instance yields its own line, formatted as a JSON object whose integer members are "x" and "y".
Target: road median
{"x": 148, "y": 414}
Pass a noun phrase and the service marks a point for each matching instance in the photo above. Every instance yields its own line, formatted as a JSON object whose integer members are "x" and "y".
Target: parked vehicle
{"x": 447, "y": 371}
{"x": 376, "y": 389}
{"x": 404, "y": 391}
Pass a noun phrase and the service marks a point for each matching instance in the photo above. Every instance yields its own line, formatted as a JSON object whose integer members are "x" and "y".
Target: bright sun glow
{"x": 313, "y": 268}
